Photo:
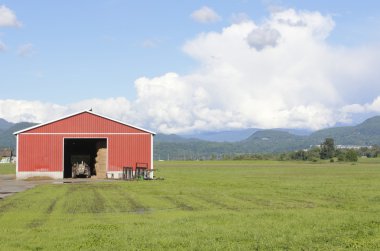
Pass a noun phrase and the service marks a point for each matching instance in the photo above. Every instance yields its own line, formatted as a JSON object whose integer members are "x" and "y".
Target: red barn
{"x": 108, "y": 146}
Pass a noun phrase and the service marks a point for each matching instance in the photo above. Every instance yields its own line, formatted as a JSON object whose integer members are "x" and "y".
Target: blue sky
{"x": 149, "y": 62}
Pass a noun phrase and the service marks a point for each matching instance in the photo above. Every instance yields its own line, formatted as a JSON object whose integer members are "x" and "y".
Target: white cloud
{"x": 31, "y": 111}
{"x": 164, "y": 100}
{"x": 117, "y": 108}
{"x": 39, "y": 112}
{"x": 205, "y": 15}
{"x": 353, "y": 108}
{"x": 263, "y": 37}
{"x": 374, "y": 106}
{"x": 25, "y": 50}
{"x": 300, "y": 81}
{"x": 313, "y": 22}
{"x": 8, "y": 18}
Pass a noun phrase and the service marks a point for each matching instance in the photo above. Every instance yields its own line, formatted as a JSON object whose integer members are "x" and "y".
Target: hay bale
{"x": 101, "y": 163}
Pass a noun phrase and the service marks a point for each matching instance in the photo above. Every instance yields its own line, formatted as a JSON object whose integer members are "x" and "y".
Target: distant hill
{"x": 271, "y": 141}
{"x": 264, "y": 141}
{"x": 173, "y": 138}
{"x": 366, "y": 133}
{"x": 300, "y": 132}
{"x": 5, "y": 124}
{"x": 238, "y": 134}
{"x": 7, "y": 139}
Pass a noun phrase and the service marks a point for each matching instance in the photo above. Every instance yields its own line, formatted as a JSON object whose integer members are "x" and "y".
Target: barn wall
{"x": 39, "y": 153}
{"x": 43, "y": 152}
{"x": 127, "y": 150}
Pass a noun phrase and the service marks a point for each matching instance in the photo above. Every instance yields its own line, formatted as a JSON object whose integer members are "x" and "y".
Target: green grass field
{"x": 220, "y": 205}
{"x": 7, "y": 168}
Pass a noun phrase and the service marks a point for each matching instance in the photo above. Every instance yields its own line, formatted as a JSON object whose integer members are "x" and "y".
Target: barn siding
{"x": 39, "y": 153}
{"x": 127, "y": 150}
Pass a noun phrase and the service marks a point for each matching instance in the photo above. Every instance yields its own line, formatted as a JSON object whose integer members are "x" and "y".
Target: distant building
{"x": 5, "y": 153}
{"x": 356, "y": 147}
{"x": 5, "y": 160}
{"x": 351, "y": 147}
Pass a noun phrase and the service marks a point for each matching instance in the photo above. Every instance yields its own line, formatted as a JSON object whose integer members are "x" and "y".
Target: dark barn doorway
{"x": 93, "y": 151}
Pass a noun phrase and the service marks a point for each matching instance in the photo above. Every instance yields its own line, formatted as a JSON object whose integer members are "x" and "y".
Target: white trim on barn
{"x": 114, "y": 175}
{"x": 151, "y": 158}
{"x": 17, "y": 155}
{"x": 25, "y": 175}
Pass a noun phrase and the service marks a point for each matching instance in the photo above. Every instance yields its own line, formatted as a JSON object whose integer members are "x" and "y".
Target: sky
{"x": 192, "y": 66}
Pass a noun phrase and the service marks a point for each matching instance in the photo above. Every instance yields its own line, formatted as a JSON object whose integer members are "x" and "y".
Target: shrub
{"x": 351, "y": 156}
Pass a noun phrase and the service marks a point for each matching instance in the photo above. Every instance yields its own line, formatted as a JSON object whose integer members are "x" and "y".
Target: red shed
{"x": 108, "y": 146}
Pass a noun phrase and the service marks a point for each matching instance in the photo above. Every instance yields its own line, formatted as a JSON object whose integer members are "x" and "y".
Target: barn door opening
{"x": 92, "y": 151}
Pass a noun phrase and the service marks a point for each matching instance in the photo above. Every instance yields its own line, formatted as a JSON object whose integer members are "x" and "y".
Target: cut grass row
{"x": 232, "y": 205}
{"x": 6, "y": 168}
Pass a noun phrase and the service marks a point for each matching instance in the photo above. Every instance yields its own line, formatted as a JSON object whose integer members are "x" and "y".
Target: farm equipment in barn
{"x": 81, "y": 169}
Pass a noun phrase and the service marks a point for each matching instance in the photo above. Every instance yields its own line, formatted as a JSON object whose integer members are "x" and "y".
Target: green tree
{"x": 327, "y": 150}
{"x": 298, "y": 155}
{"x": 351, "y": 155}
{"x": 313, "y": 154}
{"x": 341, "y": 156}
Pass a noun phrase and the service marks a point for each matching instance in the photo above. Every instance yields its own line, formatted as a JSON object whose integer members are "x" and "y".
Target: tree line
{"x": 327, "y": 150}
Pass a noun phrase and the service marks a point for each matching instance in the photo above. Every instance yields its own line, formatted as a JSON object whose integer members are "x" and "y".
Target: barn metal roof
{"x": 86, "y": 111}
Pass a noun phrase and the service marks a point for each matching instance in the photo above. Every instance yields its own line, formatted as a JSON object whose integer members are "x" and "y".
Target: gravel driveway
{"x": 9, "y": 185}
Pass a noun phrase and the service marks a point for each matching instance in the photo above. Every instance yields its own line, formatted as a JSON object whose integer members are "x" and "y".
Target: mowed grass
{"x": 216, "y": 205}
{"x": 6, "y": 168}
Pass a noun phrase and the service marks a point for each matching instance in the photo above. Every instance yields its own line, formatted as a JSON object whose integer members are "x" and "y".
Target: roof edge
{"x": 77, "y": 113}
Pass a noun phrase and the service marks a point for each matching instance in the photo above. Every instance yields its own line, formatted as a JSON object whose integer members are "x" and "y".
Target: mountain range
{"x": 238, "y": 135}
{"x": 4, "y": 124}
{"x": 7, "y": 139}
{"x": 239, "y": 141}
{"x": 267, "y": 141}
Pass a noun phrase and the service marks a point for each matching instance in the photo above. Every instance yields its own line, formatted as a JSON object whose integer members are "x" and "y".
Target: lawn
{"x": 213, "y": 205}
{"x": 7, "y": 168}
